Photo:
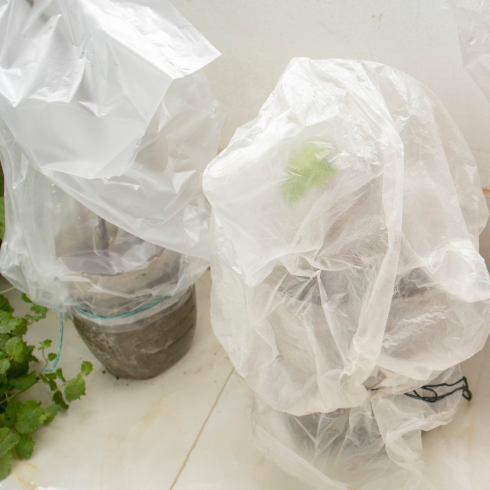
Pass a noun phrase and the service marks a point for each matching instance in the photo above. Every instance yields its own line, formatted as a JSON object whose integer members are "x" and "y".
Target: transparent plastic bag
{"x": 106, "y": 125}
{"x": 376, "y": 446}
{"x": 345, "y": 223}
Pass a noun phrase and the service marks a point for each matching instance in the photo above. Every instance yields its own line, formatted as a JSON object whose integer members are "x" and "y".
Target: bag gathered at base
{"x": 347, "y": 282}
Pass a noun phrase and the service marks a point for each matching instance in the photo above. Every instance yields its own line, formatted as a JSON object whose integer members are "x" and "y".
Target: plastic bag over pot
{"x": 375, "y": 446}
{"x": 106, "y": 124}
{"x": 345, "y": 224}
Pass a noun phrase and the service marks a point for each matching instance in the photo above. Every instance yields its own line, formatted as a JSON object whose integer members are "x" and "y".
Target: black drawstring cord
{"x": 435, "y": 397}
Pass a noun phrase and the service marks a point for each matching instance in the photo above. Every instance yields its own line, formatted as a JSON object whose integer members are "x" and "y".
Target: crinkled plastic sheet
{"x": 106, "y": 125}
{"x": 375, "y": 446}
{"x": 345, "y": 224}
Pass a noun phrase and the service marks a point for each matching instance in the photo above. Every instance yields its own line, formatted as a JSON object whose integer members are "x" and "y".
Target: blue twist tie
{"x": 122, "y": 315}
{"x": 53, "y": 367}
{"x": 91, "y": 315}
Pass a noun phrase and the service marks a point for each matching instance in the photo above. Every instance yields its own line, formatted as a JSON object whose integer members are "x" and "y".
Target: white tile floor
{"x": 190, "y": 429}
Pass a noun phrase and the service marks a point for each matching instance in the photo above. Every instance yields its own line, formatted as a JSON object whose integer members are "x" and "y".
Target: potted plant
{"x": 127, "y": 137}
{"x": 120, "y": 308}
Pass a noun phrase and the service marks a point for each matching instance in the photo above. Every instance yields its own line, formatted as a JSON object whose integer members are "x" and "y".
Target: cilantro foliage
{"x": 19, "y": 418}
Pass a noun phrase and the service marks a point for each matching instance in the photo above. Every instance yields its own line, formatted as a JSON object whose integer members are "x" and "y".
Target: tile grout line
{"x": 201, "y": 431}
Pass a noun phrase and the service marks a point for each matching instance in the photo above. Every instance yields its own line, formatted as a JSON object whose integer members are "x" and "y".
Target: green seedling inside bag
{"x": 308, "y": 168}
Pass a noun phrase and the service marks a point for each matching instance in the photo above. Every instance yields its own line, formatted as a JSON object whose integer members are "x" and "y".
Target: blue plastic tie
{"x": 91, "y": 315}
{"x": 122, "y": 315}
{"x": 53, "y": 367}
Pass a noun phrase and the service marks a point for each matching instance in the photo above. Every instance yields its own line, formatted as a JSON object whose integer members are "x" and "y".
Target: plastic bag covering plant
{"x": 20, "y": 416}
{"x": 106, "y": 125}
{"x": 364, "y": 286}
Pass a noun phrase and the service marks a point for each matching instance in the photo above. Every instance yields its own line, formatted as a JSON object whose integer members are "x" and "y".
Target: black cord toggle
{"x": 435, "y": 397}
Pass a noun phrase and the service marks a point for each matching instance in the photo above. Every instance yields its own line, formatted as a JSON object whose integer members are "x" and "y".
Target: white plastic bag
{"x": 376, "y": 446}
{"x": 345, "y": 223}
{"x": 106, "y": 125}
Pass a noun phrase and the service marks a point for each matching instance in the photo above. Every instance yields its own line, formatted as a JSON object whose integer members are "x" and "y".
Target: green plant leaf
{"x": 59, "y": 374}
{"x": 14, "y": 346}
{"x": 50, "y": 413}
{"x": 18, "y": 369}
{"x": 58, "y": 399}
{"x": 5, "y": 387}
{"x": 29, "y": 417}
{"x": 5, "y": 316}
{"x": 40, "y": 313}
{"x": 11, "y": 412}
{"x": 25, "y": 446}
{"x": 30, "y": 357}
{"x": 75, "y": 388}
{"x": 4, "y": 338}
{"x": 33, "y": 318}
{"x": 308, "y": 168}
{"x": 17, "y": 349}
{"x": 51, "y": 383}
{"x": 5, "y": 305}
{"x": 18, "y": 420}
{"x": 14, "y": 326}
{"x": 45, "y": 344}
{"x": 25, "y": 382}
{"x": 20, "y": 327}
{"x": 7, "y": 440}
{"x": 4, "y": 366}
{"x": 24, "y": 297}
{"x": 87, "y": 368}
{"x": 5, "y": 465}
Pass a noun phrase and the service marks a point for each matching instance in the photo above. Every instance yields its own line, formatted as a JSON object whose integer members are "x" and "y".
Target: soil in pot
{"x": 146, "y": 345}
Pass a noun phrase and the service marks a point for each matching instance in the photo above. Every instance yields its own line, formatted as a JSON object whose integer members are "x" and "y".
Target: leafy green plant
{"x": 20, "y": 417}
{"x": 307, "y": 168}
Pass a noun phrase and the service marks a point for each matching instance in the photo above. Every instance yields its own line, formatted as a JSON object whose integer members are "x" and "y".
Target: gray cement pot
{"x": 137, "y": 345}
{"x": 147, "y": 344}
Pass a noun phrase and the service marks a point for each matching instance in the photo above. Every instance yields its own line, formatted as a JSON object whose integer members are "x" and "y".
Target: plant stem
{"x": 7, "y": 290}
{"x": 104, "y": 239}
{"x": 44, "y": 357}
{"x": 7, "y": 398}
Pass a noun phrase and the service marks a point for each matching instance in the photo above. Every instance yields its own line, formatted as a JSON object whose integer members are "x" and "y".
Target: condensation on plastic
{"x": 106, "y": 126}
{"x": 345, "y": 223}
{"x": 375, "y": 446}
{"x": 473, "y": 18}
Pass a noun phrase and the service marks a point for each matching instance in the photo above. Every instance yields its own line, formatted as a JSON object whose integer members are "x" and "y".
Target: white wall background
{"x": 257, "y": 38}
